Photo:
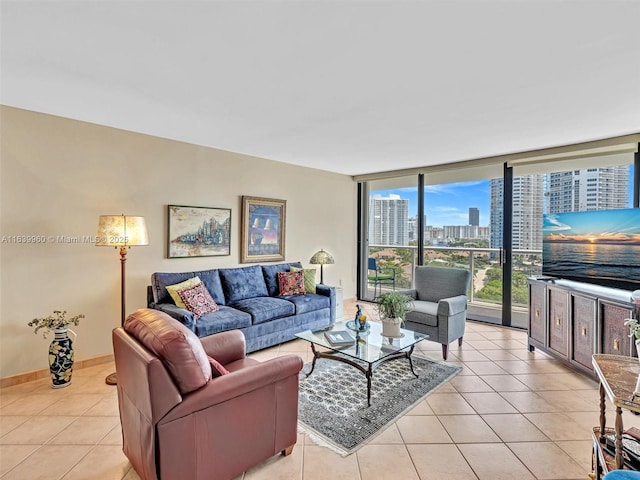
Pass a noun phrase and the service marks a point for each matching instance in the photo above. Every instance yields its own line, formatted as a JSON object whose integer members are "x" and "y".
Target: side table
{"x": 339, "y": 304}
{"x": 618, "y": 377}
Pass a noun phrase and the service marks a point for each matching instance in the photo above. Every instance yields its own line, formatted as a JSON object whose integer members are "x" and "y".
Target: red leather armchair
{"x": 180, "y": 421}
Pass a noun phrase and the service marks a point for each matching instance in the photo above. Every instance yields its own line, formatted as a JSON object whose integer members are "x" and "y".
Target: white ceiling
{"x": 346, "y": 86}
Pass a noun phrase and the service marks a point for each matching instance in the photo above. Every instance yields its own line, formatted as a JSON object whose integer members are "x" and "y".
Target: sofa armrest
{"x": 452, "y": 305}
{"x": 150, "y": 298}
{"x": 412, "y": 294}
{"x": 330, "y": 292}
{"x": 184, "y": 316}
{"x": 325, "y": 290}
{"x": 225, "y": 347}
{"x": 235, "y": 384}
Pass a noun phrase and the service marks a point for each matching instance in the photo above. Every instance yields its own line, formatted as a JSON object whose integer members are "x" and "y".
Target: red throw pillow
{"x": 291, "y": 283}
{"x": 217, "y": 369}
{"x": 198, "y": 300}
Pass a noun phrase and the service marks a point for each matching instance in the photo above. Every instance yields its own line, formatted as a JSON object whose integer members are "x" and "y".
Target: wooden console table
{"x": 571, "y": 321}
{"x": 618, "y": 376}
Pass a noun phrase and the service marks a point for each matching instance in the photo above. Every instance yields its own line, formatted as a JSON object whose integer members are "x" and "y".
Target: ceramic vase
{"x": 391, "y": 327}
{"x": 61, "y": 357}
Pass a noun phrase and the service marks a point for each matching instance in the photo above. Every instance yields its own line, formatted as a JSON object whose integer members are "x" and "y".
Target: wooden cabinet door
{"x": 614, "y": 333}
{"x": 537, "y": 312}
{"x": 583, "y": 319}
{"x": 559, "y": 321}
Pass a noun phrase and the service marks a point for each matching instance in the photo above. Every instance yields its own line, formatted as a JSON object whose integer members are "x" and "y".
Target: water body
{"x": 614, "y": 265}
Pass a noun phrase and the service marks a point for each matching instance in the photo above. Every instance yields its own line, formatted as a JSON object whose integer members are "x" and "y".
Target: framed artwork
{"x": 198, "y": 231}
{"x": 263, "y": 229}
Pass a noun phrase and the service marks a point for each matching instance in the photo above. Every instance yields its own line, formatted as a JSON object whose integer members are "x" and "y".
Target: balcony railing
{"x": 483, "y": 263}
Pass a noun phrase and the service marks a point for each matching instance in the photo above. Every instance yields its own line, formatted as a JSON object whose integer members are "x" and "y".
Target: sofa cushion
{"x": 309, "y": 302}
{"x": 160, "y": 280}
{"x": 198, "y": 300}
{"x": 211, "y": 280}
{"x": 423, "y": 312}
{"x": 263, "y": 309}
{"x": 241, "y": 283}
{"x": 178, "y": 347}
{"x": 270, "y": 273}
{"x": 309, "y": 278}
{"x": 226, "y": 318}
{"x": 174, "y": 290}
{"x": 291, "y": 283}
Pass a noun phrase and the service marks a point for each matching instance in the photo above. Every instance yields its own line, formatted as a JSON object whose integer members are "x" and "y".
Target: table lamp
{"x": 322, "y": 258}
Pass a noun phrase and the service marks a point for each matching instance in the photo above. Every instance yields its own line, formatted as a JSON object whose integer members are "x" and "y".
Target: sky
{"x": 614, "y": 226}
{"x": 448, "y": 204}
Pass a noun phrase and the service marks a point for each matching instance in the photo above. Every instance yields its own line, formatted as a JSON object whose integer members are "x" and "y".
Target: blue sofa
{"x": 249, "y": 301}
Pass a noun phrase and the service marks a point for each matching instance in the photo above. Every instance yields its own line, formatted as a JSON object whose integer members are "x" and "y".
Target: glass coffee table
{"x": 368, "y": 350}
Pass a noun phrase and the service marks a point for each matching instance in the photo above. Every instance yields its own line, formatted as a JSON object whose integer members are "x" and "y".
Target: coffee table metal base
{"x": 368, "y": 372}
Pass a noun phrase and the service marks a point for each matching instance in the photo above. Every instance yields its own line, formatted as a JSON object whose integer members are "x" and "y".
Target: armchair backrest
{"x": 372, "y": 265}
{"x": 158, "y": 360}
{"x": 435, "y": 283}
{"x": 179, "y": 348}
{"x": 146, "y": 393}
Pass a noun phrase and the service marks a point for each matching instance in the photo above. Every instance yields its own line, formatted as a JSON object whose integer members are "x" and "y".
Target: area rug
{"x": 333, "y": 400}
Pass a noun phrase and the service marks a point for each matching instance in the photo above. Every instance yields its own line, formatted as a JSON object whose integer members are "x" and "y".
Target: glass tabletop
{"x": 369, "y": 346}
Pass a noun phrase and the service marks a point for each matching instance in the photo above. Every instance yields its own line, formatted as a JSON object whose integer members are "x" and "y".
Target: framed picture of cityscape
{"x": 198, "y": 231}
{"x": 263, "y": 229}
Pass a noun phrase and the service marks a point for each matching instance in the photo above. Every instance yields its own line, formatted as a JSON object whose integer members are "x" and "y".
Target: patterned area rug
{"x": 333, "y": 400}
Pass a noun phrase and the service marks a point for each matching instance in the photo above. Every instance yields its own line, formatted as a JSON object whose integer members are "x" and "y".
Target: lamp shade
{"x": 322, "y": 258}
{"x": 121, "y": 231}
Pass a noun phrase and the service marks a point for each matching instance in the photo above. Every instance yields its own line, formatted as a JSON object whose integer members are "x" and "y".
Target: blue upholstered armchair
{"x": 439, "y": 304}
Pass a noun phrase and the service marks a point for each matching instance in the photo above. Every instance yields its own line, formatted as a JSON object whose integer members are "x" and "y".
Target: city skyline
{"x": 448, "y": 204}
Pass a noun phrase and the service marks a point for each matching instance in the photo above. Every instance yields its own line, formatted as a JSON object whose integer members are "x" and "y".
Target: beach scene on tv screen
{"x": 600, "y": 247}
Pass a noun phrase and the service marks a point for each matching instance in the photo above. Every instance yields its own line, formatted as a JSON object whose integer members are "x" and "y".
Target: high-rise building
{"x": 412, "y": 225}
{"x": 474, "y": 216}
{"x": 528, "y": 194}
{"x": 465, "y": 232}
{"x": 496, "y": 212}
{"x": 588, "y": 189}
{"x": 388, "y": 221}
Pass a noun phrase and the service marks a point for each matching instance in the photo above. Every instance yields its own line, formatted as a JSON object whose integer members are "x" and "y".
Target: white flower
{"x": 634, "y": 327}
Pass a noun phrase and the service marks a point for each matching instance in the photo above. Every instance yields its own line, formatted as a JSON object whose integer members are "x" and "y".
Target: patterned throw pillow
{"x": 309, "y": 278}
{"x": 291, "y": 283}
{"x": 173, "y": 290}
{"x": 198, "y": 300}
{"x": 217, "y": 369}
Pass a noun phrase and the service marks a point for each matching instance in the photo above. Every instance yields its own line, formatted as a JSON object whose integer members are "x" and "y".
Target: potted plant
{"x": 392, "y": 308}
{"x": 634, "y": 328}
{"x": 61, "y": 347}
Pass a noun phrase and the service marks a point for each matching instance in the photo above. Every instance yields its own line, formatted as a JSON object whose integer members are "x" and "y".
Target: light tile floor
{"x": 510, "y": 414}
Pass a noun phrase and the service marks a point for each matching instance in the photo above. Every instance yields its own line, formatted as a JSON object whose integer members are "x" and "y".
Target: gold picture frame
{"x": 263, "y": 229}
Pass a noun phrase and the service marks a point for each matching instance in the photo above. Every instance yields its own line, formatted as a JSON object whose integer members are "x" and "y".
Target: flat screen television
{"x": 600, "y": 247}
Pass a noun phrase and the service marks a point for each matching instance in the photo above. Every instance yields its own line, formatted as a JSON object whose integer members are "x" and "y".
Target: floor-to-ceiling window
{"x": 591, "y": 183}
{"x": 389, "y": 231}
{"x": 464, "y": 214}
{"x": 460, "y": 219}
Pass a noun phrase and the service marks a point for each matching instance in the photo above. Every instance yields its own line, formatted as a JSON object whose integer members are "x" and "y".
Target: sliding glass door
{"x": 389, "y": 231}
{"x": 466, "y": 212}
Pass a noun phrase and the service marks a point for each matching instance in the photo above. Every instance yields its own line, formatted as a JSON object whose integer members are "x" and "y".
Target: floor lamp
{"x": 121, "y": 231}
{"x": 321, "y": 258}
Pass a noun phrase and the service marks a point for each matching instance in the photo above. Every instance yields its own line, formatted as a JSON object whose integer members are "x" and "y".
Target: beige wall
{"x": 58, "y": 175}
